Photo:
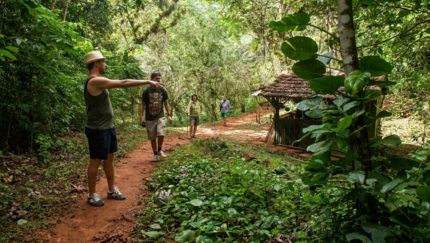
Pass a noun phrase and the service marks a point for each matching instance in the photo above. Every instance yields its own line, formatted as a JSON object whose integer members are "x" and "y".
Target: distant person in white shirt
{"x": 224, "y": 108}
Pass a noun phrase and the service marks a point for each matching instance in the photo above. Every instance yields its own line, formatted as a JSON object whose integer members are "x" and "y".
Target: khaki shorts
{"x": 194, "y": 120}
{"x": 155, "y": 128}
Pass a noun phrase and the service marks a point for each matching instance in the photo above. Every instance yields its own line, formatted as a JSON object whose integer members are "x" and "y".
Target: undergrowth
{"x": 214, "y": 191}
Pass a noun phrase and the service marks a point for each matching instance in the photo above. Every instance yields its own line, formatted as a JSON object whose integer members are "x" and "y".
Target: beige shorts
{"x": 155, "y": 128}
{"x": 194, "y": 120}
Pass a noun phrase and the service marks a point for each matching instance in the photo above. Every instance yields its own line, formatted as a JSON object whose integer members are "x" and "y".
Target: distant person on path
{"x": 224, "y": 108}
{"x": 193, "y": 110}
{"x": 100, "y": 128}
{"x": 153, "y": 101}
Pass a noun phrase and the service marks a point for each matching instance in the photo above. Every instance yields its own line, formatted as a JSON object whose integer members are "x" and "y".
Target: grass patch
{"x": 215, "y": 191}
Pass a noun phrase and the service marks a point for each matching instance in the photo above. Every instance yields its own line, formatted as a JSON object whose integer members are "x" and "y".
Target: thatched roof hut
{"x": 289, "y": 87}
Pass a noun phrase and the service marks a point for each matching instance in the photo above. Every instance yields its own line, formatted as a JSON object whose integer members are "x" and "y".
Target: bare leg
{"x": 109, "y": 171}
{"x": 92, "y": 170}
{"x": 154, "y": 145}
{"x": 160, "y": 142}
{"x": 195, "y": 129}
{"x": 225, "y": 120}
{"x": 192, "y": 127}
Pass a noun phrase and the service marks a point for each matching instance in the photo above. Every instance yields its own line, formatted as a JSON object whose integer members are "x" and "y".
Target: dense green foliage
{"x": 210, "y": 192}
{"x": 386, "y": 196}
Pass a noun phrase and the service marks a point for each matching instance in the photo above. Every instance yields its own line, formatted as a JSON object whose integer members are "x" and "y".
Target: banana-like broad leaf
{"x": 356, "y": 81}
{"x": 424, "y": 193}
{"x": 326, "y": 84}
{"x": 300, "y": 48}
{"x": 309, "y": 69}
{"x": 308, "y": 104}
{"x": 375, "y": 65}
{"x": 357, "y": 236}
{"x": 297, "y": 22}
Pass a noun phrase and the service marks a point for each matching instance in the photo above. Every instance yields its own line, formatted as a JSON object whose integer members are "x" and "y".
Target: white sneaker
{"x": 155, "y": 158}
{"x": 162, "y": 154}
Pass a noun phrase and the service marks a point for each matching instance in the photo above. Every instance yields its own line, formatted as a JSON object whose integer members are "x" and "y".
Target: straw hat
{"x": 93, "y": 56}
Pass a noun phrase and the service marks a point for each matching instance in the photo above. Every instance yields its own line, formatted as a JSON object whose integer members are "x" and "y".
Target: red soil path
{"x": 115, "y": 220}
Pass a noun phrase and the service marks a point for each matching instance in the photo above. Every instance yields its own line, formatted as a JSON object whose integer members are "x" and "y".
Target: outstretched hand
{"x": 155, "y": 84}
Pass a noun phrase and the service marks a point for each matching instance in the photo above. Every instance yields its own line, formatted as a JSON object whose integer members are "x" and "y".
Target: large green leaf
{"x": 357, "y": 236}
{"x": 356, "y": 81}
{"x": 377, "y": 232}
{"x": 308, "y": 104}
{"x": 401, "y": 163}
{"x": 153, "y": 234}
{"x": 6, "y": 53}
{"x": 357, "y": 177}
{"x": 326, "y": 84}
{"x": 371, "y": 94}
{"x": 320, "y": 147}
{"x": 343, "y": 144}
{"x": 312, "y": 128}
{"x": 344, "y": 123}
{"x": 196, "y": 202}
{"x": 424, "y": 193}
{"x": 300, "y": 48}
{"x": 340, "y": 100}
{"x": 297, "y": 22}
{"x": 185, "y": 236}
{"x": 392, "y": 140}
{"x": 350, "y": 105}
{"x": 318, "y": 113}
{"x": 375, "y": 65}
{"x": 309, "y": 69}
{"x": 315, "y": 165}
{"x": 390, "y": 185}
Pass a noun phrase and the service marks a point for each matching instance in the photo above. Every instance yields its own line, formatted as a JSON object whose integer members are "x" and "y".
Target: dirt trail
{"x": 115, "y": 220}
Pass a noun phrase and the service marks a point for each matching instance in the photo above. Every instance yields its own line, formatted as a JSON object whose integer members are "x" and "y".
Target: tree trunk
{"x": 348, "y": 46}
{"x": 359, "y": 142}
